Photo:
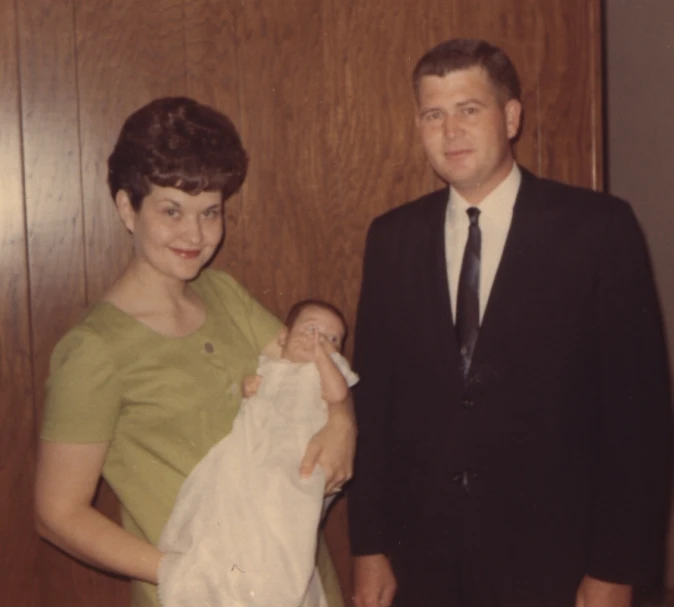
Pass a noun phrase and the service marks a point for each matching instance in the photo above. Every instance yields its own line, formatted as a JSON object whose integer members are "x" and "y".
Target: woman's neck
{"x": 147, "y": 289}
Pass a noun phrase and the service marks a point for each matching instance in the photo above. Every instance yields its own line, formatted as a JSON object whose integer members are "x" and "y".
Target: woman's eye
{"x": 171, "y": 212}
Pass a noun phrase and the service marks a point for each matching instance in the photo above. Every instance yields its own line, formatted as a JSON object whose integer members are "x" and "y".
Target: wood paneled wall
{"x": 320, "y": 92}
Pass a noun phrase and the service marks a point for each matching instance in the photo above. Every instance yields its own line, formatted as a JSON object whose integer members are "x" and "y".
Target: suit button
{"x": 467, "y": 403}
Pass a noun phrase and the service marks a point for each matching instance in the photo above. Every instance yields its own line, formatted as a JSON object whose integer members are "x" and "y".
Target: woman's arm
{"x": 67, "y": 477}
{"x": 334, "y": 446}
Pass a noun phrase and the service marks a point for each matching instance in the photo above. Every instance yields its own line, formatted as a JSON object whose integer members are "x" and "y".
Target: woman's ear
{"x": 125, "y": 209}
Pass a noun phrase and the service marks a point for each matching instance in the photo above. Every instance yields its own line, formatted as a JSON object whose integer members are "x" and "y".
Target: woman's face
{"x": 174, "y": 233}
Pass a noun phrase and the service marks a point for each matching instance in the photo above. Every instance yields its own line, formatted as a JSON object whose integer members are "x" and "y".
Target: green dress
{"x": 162, "y": 402}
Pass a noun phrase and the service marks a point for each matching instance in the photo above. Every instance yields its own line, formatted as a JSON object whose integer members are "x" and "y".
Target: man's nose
{"x": 452, "y": 127}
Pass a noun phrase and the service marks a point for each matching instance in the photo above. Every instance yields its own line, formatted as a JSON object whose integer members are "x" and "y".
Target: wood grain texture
{"x": 282, "y": 90}
{"x": 51, "y": 155}
{"x": 17, "y": 417}
{"x": 321, "y": 94}
{"x": 569, "y": 98}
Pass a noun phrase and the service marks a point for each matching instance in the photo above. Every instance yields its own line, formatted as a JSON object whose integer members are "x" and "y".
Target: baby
{"x": 256, "y": 545}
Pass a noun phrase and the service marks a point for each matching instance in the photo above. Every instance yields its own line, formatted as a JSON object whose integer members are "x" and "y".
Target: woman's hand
{"x": 67, "y": 477}
{"x": 333, "y": 447}
{"x": 250, "y": 385}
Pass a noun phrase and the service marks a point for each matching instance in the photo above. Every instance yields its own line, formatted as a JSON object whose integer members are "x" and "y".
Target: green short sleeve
{"x": 82, "y": 393}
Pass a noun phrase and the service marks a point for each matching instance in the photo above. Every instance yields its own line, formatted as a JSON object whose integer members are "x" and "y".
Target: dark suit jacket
{"x": 553, "y": 460}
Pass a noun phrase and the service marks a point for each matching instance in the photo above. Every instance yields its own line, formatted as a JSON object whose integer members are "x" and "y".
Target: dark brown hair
{"x": 464, "y": 53}
{"x": 180, "y": 143}
{"x": 300, "y": 306}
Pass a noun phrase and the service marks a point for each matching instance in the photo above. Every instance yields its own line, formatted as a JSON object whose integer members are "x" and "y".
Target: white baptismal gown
{"x": 243, "y": 531}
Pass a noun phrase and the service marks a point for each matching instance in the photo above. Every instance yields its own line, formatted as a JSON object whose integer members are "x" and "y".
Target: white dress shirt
{"x": 496, "y": 212}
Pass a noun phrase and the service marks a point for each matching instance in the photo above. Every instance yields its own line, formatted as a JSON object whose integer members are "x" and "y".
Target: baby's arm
{"x": 334, "y": 388}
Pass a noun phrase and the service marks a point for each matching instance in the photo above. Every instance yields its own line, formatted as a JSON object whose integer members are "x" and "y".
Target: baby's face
{"x": 298, "y": 342}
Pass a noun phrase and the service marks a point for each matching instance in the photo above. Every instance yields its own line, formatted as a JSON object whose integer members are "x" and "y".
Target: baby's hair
{"x": 300, "y": 306}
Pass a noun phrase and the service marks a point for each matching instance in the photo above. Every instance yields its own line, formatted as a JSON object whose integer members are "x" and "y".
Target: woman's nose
{"x": 194, "y": 231}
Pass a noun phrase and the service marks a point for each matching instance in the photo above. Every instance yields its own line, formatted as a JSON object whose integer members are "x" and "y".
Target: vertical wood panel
{"x": 370, "y": 51}
{"x": 53, "y": 209}
{"x": 18, "y": 556}
{"x": 282, "y": 92}
{"x": 51, "y": 168}
{"x": 571, "y": 99}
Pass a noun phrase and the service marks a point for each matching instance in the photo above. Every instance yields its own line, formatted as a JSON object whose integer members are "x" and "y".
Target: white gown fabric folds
{"x": 243, "y": 531}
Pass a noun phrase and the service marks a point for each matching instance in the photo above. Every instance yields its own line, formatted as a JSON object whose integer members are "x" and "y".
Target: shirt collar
{"x": 497, "y": 206}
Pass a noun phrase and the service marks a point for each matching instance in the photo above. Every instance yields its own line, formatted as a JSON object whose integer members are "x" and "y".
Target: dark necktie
{"x": 468, "y": 295}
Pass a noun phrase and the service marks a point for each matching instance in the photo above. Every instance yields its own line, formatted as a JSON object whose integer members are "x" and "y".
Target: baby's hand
{"x": 321, "y": 346}
{"x": 250, "y": 385}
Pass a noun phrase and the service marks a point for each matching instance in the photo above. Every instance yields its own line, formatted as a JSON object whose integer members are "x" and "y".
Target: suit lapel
{"x": 524, "y": 254}
{"x": 438, "y": 286}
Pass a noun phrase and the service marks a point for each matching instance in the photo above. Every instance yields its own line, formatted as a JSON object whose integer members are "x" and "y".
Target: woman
{"x": 150, "y": 379}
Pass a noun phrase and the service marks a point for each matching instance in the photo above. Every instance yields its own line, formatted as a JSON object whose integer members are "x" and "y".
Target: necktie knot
{"x": 473, "y": 215}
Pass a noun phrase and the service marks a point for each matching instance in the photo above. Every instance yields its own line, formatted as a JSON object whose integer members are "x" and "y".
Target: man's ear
{"x": 513, "y": 117}
{"x": 125, "y": 209}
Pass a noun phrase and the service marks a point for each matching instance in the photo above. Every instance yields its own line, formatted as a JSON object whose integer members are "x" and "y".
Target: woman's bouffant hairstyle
{"x": 464, "y": 53}
{"x": 180, "y": 143}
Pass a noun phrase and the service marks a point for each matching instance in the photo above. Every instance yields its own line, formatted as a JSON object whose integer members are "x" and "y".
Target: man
{"x": 514, "y": 416}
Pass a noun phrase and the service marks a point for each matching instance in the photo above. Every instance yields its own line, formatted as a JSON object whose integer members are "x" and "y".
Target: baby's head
{"x": 306, "y": 319}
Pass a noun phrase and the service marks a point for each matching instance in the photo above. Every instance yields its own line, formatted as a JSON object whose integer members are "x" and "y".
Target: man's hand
{"x": 597, "y": 593}
{"x": 373, "y": 581}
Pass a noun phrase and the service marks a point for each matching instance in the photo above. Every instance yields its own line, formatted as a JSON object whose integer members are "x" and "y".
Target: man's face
{"x": 466, "y": 130}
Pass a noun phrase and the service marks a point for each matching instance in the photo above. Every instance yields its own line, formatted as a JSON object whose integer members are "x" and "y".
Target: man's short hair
{"x": 464, "y": 53}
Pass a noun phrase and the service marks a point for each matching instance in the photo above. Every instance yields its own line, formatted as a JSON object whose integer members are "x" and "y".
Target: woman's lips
{"x": 185, "y": 254}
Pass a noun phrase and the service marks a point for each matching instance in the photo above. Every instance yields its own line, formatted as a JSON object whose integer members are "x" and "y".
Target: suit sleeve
{"x": 634, "y": 468}
{"x": 373, "y": 359}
